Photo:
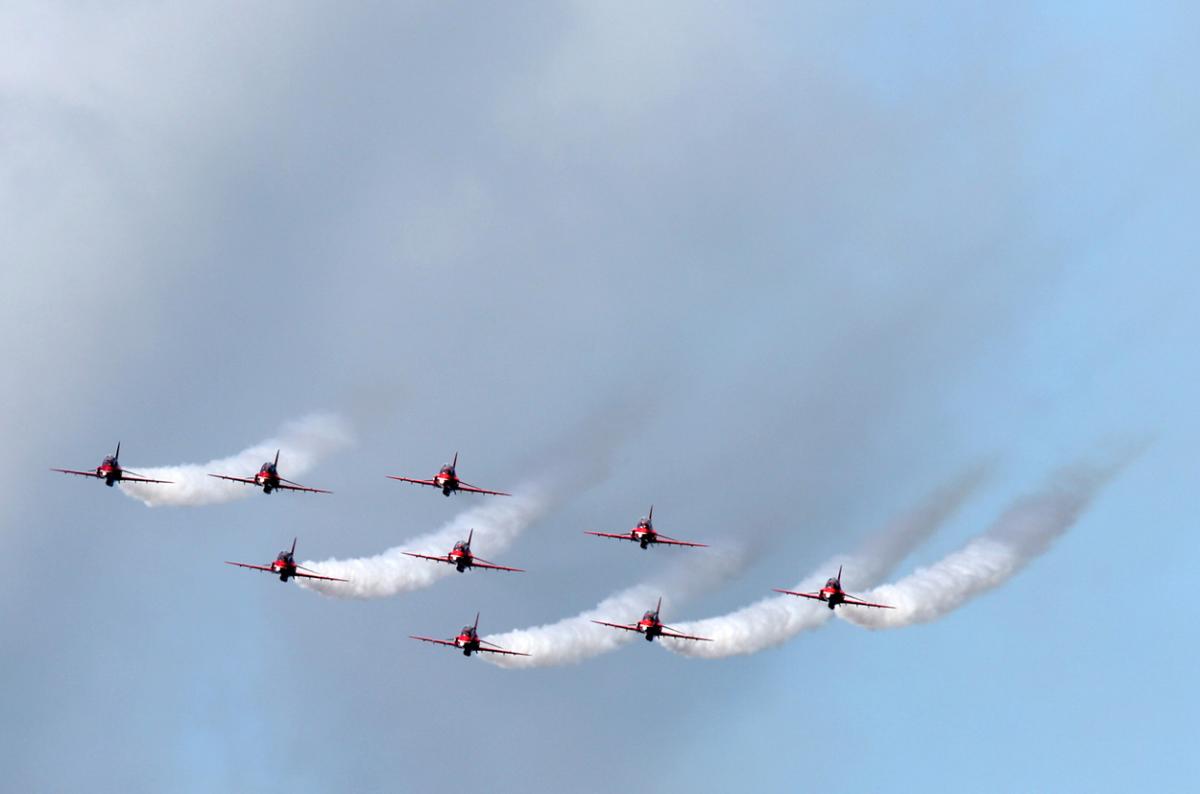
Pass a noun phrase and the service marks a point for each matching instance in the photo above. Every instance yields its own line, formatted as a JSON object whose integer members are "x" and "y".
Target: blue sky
{"x": 823, "y": 259}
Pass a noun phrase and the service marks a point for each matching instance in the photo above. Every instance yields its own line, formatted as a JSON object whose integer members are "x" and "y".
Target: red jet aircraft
{"x": 462, "y": 558}
{"x": 447, "y": 480}
{"x": 650, "y": 626}
{"x": 833, "y": 594}
{"x": 268, "y": 478}
{"x": 468, "y": 640}
{"x": 644, "y": 534}
{"x": 285, "y": 565}
{"x": 111, "y": 472}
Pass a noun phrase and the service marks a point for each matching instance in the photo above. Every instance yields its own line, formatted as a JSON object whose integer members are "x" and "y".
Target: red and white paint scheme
{"x": 269, "y": 480}
{"x": 468, "y": 642}
{"x": 285, "y": 566}
{"x": 111, "y": 472}
{"x": 644, "y": 534}
{"x": 447, "y": 480}
{"x": 462, "y": 558}
{"x": 650, "y": 627}
{"x": 833, "y": 594}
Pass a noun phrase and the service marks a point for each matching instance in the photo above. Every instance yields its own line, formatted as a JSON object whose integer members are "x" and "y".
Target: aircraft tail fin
{"x": 276, "y": 457}
{"x": 658, "y": 608}
{"x": 476, "y": 624}
{"x": 117, "y": 454}
{"x": 470, "y": 535}
{"x": 294, "y": 545}
{"x": 454, "y": 463}
{"x": 839, "y": 576}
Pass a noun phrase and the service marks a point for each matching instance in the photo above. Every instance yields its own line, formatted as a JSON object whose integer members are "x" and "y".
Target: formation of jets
{"x": 461, "y": 556}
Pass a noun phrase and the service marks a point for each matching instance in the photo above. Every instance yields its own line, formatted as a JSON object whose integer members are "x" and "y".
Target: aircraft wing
{"x": 463, "y": 486}
{"x": 414, "y": 482}
{"x": 80, "y": 473}
{"x": 139, "y": 478}
{"x": 491, "y": 566}
{"x": 288, "y": 485}
{"x": 860, "y": 603}
{"x": 814, "y": 596}
{"x": 451, "y": 643}
{"x": 246, "y": 480}
{"x": 626, "y": 536}
{"x": 311, "y": 575}
{"x": 443, "y": 558}
{"x": 677, "y": 636}
{"x": 266, "y": 568}
{"x": 498, "y": 650}
{"x": 625, "y": 626}
{"x": 672, "y": 542}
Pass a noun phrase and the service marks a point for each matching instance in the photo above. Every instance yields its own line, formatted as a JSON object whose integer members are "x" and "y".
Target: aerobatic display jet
{"x": 111, "y": 472}
{"x": 644, "y": 534}
{"x": 269, "y": 480}
{"x": 468, "y": 641}
{"x": 462, "y": 558}
{"x": 447, "y": 480}
{"x": 833, "y": 594}
{"x": 650, "y": 627}
{"x": 285, "y": 565}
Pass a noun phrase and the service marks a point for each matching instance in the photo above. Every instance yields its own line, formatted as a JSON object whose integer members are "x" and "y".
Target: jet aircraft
{"x": 285, "y": 565}
{"x": 462, "y": 558}
{"x": 469, "y": 642}
{"x": 447, "y": 480}
{"x": 269, "y": 480}
{"x": 644, "y": 534}
{"x": 111, "y": 472}
{"x": 650, "y": 627}
{"x": 833, "y": 594}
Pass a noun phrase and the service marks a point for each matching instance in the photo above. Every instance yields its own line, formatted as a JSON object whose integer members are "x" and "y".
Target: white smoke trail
{"x": 1023, "y": 532}
{"x": 581, "y": 460}
{"x": 301, "y": 444}
{"x": 497, "y": 523}
{"x": 574, "y": 639}
{"x": 774, "y": 620}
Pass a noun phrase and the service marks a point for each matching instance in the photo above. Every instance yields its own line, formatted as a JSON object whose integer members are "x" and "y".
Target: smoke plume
{"x": 497, "y": 523}
{"x": 578, "y": 461}
{"x": 574, "y": 639}
{"x": 774, "y": 620}
{"x": 1023, "y": 532}
{"x": 301, "y": 444}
